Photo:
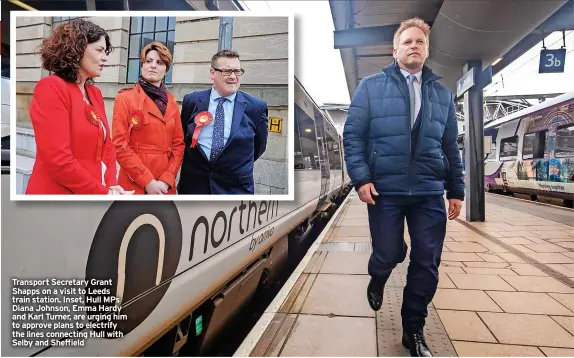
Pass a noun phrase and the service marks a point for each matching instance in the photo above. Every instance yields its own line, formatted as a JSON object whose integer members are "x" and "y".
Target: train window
{"x": 309, "y": 152}
{"x": 493, "y": 149}
{"x": 545, "y": 144}
{"x": 508, "y": 148}
{"x": 491, "y": 157}
{"x": 565, "y": 142}
{"x": 333, "y": 147}
{"x": 298, "y": 153}
{"x": 534, "y": 145}
{"x": 528, "y": 145}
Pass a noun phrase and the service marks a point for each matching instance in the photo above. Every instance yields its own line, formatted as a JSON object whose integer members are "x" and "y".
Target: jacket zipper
{"x": 411, "y": 150}
{"x": 411, "y": 153}
{"x": 410, "y": 133}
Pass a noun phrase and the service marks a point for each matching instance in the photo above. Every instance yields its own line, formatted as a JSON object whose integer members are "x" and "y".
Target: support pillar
{"x": 474, "y": 145}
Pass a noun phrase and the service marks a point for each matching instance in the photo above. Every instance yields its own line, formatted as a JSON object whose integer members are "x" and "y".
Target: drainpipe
{"x": 225, "y": 33}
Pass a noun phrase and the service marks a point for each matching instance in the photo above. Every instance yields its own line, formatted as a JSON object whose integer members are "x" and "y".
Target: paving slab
{"x": 525, "y": 329}
{"x": 322, "y": 336}
{"x": 473, "y": 349}
{"x": 342, "y": 295}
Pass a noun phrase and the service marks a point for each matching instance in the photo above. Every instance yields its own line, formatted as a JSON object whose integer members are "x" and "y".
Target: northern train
{"x": 181, "y": 269}
{"x": 533, "y": 151}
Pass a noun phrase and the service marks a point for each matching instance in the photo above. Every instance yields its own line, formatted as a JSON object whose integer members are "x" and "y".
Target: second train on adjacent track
{"x": 533, "y": 151}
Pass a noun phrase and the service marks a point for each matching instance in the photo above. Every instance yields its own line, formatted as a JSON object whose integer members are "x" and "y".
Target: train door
{"x": 323, "y": 157}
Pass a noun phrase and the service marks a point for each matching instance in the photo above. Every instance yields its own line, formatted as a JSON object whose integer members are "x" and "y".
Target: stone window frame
{"x": 138, "y": 29}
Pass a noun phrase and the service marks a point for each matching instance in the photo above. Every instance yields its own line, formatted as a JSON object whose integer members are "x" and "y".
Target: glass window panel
{"x": 332, "y": 147}
{"x": 57, "y": 18}
{"x": 137, "y": 23}
{"x": 565, "y": 142}
{"x": 160, "y": 23}
{"x": 546, "y": 145}
{"x": 171, "y": 23}
{"x": 135, "y": 49}
{"x": 171, "y": 41}
{"x": 509, "y": 148}
{"x": 6, "y": 72}
{"x": 528, "y": 146}
{"x": 148, "y": 24}
{"x": 144, "y": 30}
{"x": 147, "y": 38}
{"x": 133, "y": 70}
{"x": 161, "y": 36}
{"x": 309, "y": 152}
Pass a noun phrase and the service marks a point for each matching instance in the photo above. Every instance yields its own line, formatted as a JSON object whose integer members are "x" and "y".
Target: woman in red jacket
{"x": 74, "y": 151}
{"x": 147, "y": 131}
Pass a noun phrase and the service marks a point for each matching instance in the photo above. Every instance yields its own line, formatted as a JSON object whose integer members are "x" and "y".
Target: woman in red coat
{"x": 146, "y": 127}
{"x": 74, "y": 151}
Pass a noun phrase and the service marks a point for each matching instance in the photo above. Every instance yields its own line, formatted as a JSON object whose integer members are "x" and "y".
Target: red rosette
{"x": 135, "y": 120}
{"x": 92, "y": 115}
{"x": 201, "y": 119}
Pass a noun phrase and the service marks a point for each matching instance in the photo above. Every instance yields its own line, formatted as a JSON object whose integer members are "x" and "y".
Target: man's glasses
{"x": 237, "y": 73}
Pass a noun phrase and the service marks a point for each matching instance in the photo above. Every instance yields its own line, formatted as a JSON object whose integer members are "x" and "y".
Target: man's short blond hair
{"x": 407, "y": 24}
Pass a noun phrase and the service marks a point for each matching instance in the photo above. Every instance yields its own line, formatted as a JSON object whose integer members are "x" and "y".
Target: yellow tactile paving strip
{"x": 505, "y": 289}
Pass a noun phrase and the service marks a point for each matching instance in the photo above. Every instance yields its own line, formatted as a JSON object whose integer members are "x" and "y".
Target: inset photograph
{"x": 180, "y": 107}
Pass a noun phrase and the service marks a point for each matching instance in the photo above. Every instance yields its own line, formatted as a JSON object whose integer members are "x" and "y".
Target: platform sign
{"x": 552, "y": 61}
{"x": 275, "y": 124}
{"x": 465, "y": 82}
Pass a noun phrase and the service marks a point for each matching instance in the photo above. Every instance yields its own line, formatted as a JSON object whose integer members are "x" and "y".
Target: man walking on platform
{"x": 401, "y": 154}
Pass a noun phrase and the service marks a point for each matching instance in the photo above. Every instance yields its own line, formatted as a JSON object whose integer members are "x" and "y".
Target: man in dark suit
{"x": 230, "y": 129}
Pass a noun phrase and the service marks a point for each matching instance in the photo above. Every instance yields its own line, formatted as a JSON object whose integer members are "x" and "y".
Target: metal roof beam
{"x": 365, "y": 36}
{"x": 375, "y": 55}
{"x": 522, "y": 96}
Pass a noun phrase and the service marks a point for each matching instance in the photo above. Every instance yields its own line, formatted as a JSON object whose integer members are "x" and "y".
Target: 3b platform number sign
{"x": 552, "y": 61}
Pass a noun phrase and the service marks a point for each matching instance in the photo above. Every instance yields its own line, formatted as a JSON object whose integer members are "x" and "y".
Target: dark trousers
{"x": 426, "y": 221}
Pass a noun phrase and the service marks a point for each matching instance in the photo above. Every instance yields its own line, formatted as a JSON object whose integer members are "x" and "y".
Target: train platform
{"x": 506, "y": 289}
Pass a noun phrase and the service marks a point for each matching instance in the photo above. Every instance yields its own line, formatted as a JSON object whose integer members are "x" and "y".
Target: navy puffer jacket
{"x": 380, "y": 147}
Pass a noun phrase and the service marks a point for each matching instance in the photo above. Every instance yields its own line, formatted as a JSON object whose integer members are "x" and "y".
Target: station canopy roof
{"x": 460, "y": 31}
